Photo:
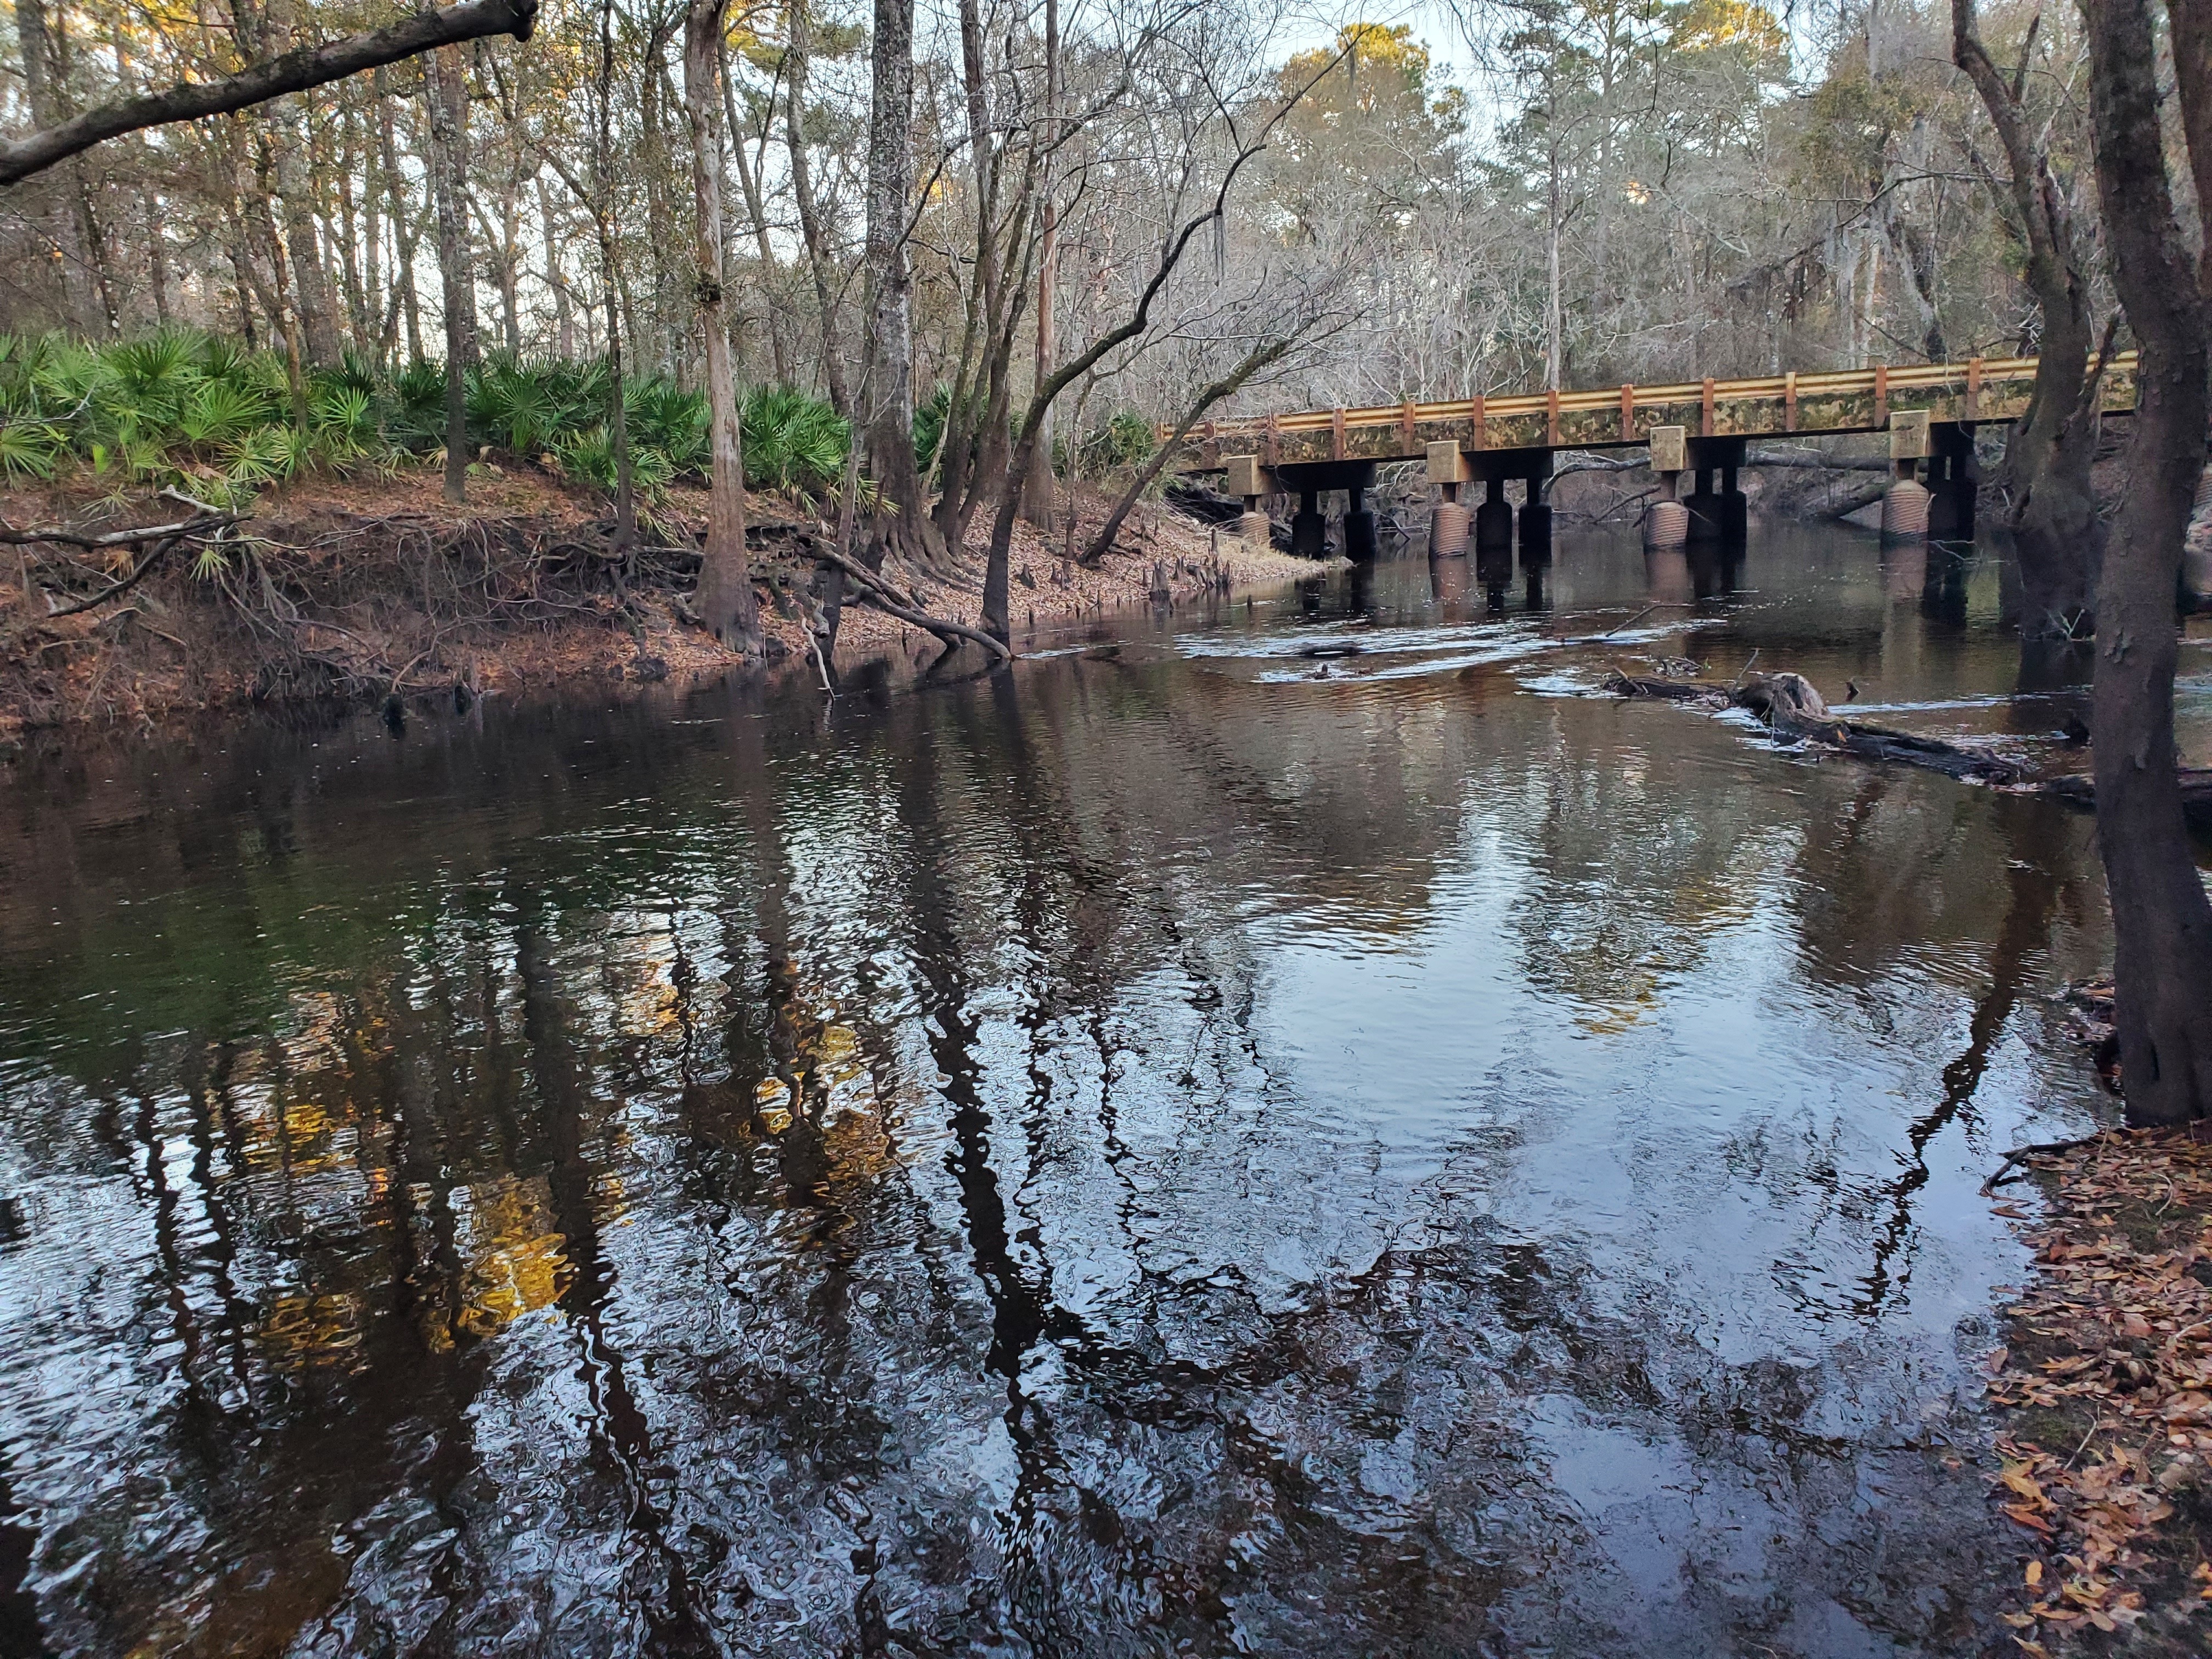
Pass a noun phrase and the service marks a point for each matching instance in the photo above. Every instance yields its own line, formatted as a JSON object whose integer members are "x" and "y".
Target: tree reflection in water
{"x": 1150, "y": 1151}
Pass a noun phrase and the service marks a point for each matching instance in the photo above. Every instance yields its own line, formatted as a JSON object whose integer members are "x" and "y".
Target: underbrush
{"x": 188, "y": 411}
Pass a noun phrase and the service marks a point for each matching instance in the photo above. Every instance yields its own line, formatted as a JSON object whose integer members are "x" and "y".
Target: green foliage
{"x": 590, "y": 455}
{"x": 180, "y": 407}
{"x": 666, "y": 419}
{"x": 1125, "y": 441}
{"x": 793, "y": 442}
{"x": 929, "y": 421}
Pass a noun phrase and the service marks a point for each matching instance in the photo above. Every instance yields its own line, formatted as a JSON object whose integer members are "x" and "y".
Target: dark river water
{"x": 1153, "y": 1151}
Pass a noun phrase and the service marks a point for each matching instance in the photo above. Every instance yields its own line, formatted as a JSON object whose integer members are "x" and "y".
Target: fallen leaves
{"x": 2110, "y": 1362}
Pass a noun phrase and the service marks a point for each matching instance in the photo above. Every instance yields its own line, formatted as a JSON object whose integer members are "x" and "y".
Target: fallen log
{"x": 1790, "y": 706}
{"x": 1652, "y": 686}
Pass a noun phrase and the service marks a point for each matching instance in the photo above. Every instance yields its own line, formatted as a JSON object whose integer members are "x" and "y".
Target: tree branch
{"x": 295, "y": 71}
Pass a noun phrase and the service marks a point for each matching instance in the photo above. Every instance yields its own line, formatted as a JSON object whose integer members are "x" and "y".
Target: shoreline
{"x": 328, "y": 599}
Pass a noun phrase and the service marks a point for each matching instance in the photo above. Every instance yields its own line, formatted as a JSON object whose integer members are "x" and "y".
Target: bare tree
{"x": 2053, "y": 510}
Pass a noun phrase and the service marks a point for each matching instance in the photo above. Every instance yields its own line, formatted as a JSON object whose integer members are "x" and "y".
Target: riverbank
{"x": 2106, "y": 1384}
{"x": 372, "y": 585}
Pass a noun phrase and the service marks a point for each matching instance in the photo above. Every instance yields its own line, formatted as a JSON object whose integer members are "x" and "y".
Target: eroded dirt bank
{"x": 372, "y": 586}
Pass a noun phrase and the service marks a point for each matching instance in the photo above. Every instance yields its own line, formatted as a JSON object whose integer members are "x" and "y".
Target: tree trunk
{"x": 897, "y": 522}
{"x": 564, "y": 316}
{"x": 2162, "y": 921}
{"x": 726, "y": 603}
{"x": 442, "y": 74}
{"x": 310, "y": 282}
{"x": 809, "y": 217}
{"x": 2192, "y": 76}
{"x": 1555, "y": 333}
{"x": 46, "y": 201}
{"x": 2053, "y": 510}
{"x": 602, "y": 210}
{"x": 157, "y": 250}
{"x": 1037, "y": 485}
{"x": 403, "y": 218}
{"x": 757, "y": 208}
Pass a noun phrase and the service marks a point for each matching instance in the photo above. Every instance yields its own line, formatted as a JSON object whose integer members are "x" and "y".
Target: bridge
{"x": 1929, "y": 410}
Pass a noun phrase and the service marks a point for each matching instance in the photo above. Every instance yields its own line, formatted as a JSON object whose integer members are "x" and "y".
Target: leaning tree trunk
{"x": 2052, "y": 512}
{"x": 1261, "y": 357}
{"x": 448, "y": 174}
{"x": 2161, "y": 919}
{"x": 726, "y": 603}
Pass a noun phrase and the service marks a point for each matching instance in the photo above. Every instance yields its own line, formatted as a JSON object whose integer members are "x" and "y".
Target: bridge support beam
{"x": 1904, "y": 507}
{"x": 1309, "y": 529}
{"x": 1953, "y": 482}
{"x": 1249, "y": 479}
{"x": 1358, "y": 527}
{"x": 1493, "y": 524}
{"x": 1448, "y": 523}
{"x": 1535, "y": 521}
{"x": 1668, "y": 524}
{"x": 1718, "y": 516}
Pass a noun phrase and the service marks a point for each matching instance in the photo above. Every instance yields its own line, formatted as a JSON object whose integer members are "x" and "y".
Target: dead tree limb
{"x": 889, "y": 601}
{"x": 295, "y": 71}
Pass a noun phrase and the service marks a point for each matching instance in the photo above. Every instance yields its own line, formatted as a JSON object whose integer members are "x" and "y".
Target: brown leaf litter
{"x": 2105, "y": 1383}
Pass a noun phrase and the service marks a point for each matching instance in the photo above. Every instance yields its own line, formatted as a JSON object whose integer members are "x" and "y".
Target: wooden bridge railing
{"x": 1853, "y": 400}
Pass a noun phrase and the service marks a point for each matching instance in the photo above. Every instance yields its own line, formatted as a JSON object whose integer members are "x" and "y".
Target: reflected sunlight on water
{"x": 1154, "y": 1152}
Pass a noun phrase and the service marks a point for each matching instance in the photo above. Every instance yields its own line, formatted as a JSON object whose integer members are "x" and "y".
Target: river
{"x": 1185, "y": 1146}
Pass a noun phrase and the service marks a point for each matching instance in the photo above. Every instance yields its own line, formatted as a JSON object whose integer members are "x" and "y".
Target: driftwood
{"x": 1790, "y": 706}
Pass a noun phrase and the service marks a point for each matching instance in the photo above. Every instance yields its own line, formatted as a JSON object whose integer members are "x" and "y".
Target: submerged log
{"x": 1791, "y": 708}
{"x": 1652, "y": 686}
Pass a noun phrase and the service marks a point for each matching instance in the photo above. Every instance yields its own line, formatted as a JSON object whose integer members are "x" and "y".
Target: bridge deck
{"x": 1857, "y": 400}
